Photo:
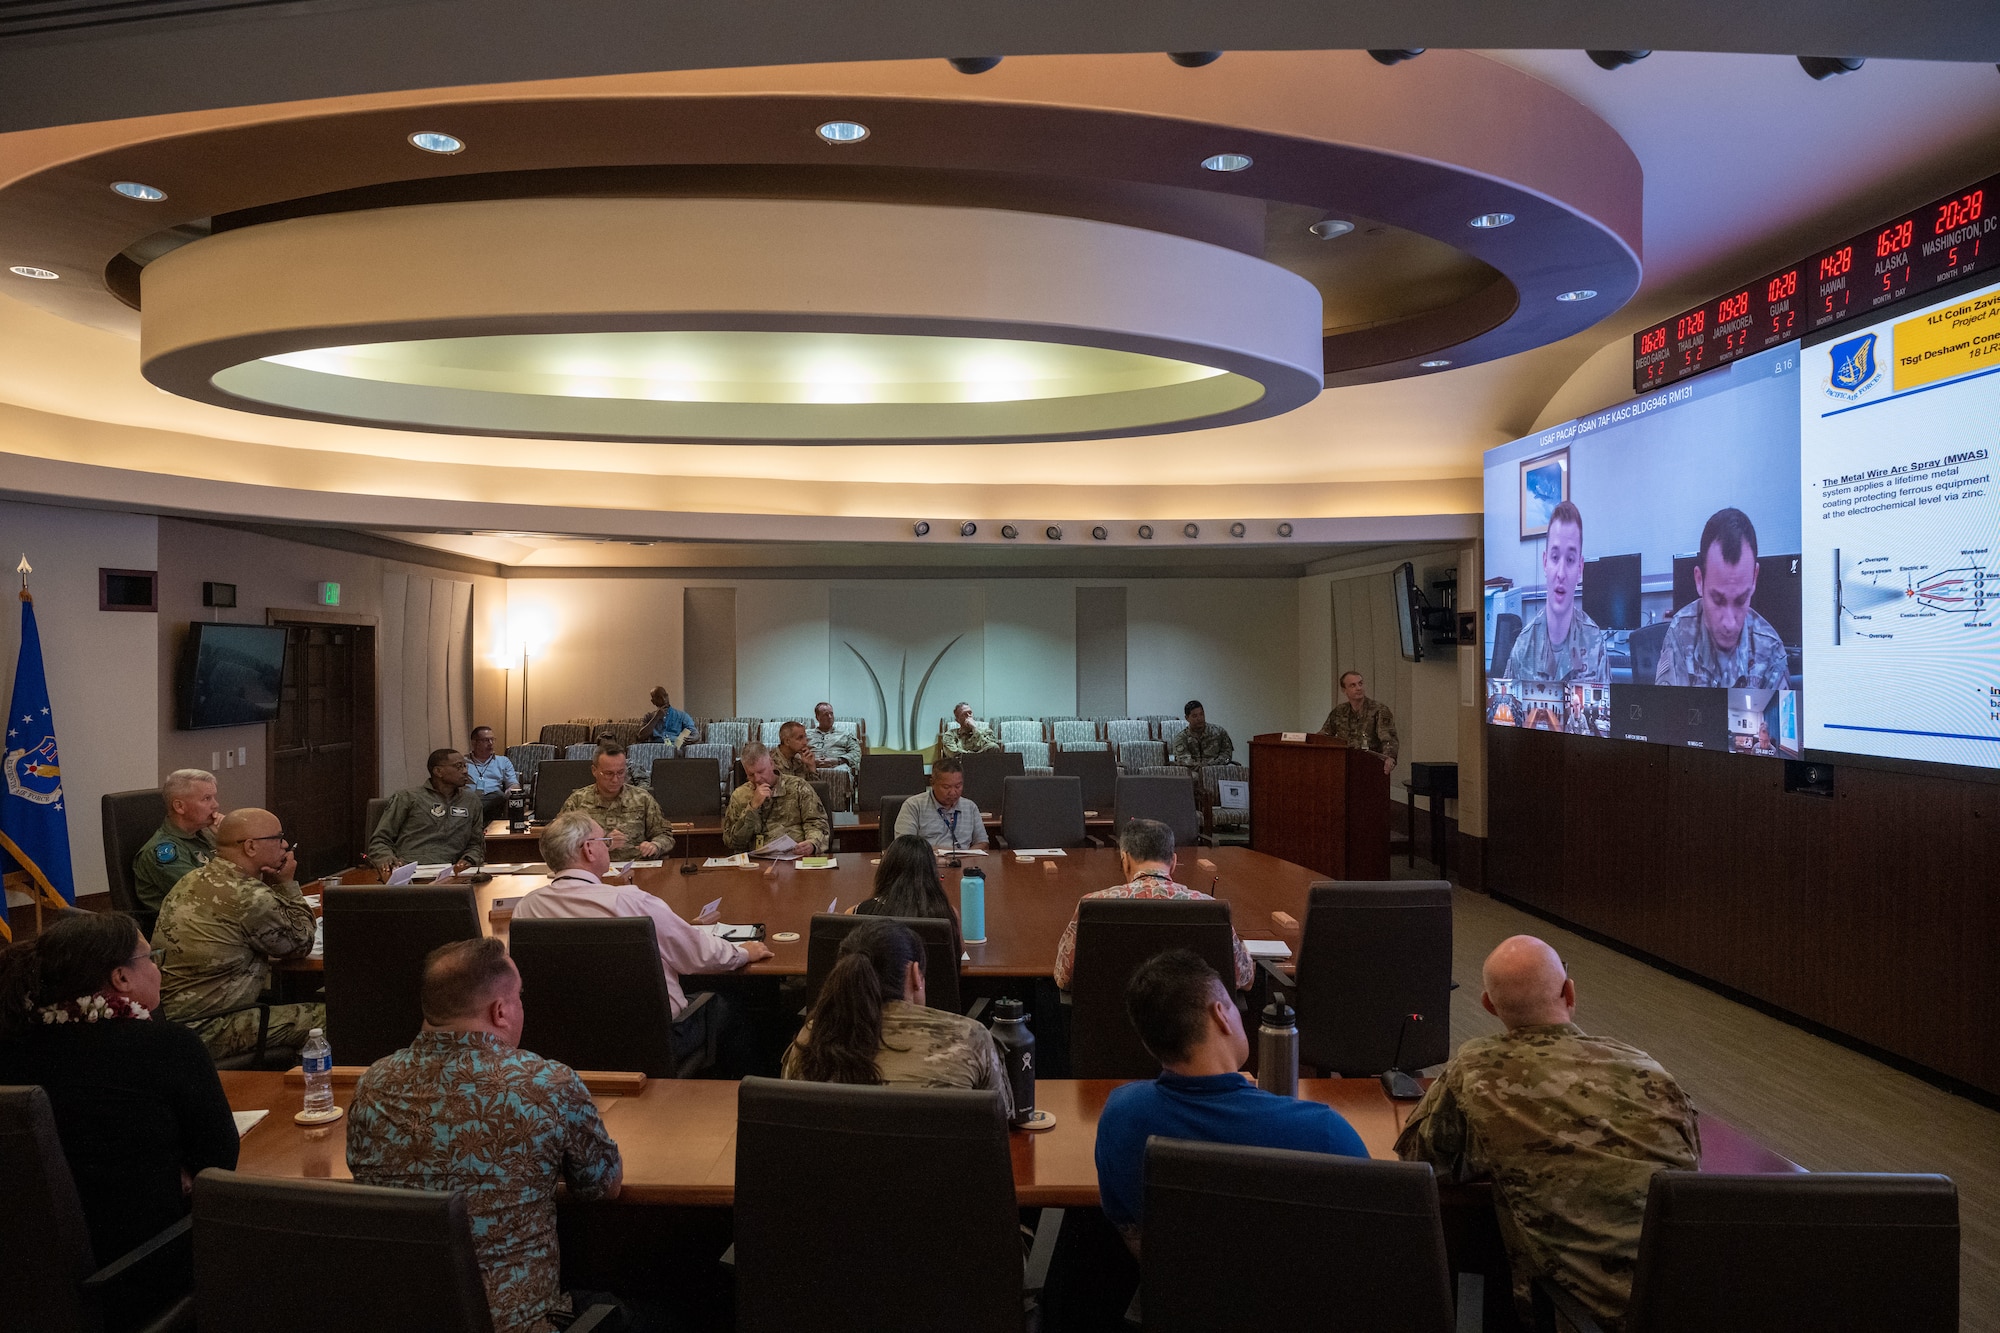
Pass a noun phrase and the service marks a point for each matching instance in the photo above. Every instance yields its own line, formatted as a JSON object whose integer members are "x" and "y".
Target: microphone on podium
{"x": 1399, "y": 1085}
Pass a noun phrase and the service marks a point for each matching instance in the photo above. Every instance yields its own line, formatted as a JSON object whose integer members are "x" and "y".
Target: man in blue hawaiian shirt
{"x": 463, "y": 1108}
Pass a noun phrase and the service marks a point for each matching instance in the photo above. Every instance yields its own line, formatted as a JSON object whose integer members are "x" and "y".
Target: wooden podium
{"x": 1321, "y": 805}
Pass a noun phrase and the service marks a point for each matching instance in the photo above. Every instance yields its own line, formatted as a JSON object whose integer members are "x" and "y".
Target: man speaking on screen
{"x": 1717, "y": 639}
{"x": 1563, "y": 643}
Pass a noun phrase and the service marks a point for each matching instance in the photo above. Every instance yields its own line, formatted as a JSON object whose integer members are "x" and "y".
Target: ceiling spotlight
{"x": 435, "y": 141}
{"x": 1237, "y": 529}
{"x": 30, "y": 271}
{"x": 1436, "y": 363}
{"x": 1488, "y": 221}
{"x": 968, "y": 529}
{"x": 1825, "y": 67}
{"x": 922, "y": 529}
{"x": 1328, "y": 228}
{"x": 1580, "y": 294}
{"x": 1099, "y": 534}
{"x": 1616, "y": 59}
{"x": 1052, "y": 532}
{"x": 973, "y": 64}
{"x": 1284, "y": 529}
{"x": 1191, "y": 530}
{"x": 842, "y": 131}
{"x": 1145, "y": 532}
{"x": 1009, "y": 531}
{"x": 1395, "y": 57}
{"x": 1194, "y": 59}
{"x": 145, "y": 194}
{"x": 1227, "y": 162}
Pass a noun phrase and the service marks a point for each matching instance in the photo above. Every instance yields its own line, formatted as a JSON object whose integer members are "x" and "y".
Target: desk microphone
{"x": 1399, "y": 1085}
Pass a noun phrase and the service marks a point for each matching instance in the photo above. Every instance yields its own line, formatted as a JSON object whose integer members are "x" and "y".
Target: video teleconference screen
{"x": 1643, "y": 567}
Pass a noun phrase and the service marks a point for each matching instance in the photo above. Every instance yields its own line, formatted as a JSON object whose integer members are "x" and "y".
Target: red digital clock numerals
{"x": 1653, "y": 340}
{"x": 1836, "y": 263}
{"x": 1960, "y": 212}
{"x": 1732, "y": 307}
{"x": 1895, "y": 239}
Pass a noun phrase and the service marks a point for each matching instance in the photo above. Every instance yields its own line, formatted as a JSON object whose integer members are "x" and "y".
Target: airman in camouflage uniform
{"x": 1689, "y": 656}
{"x": 791, "y": 808}
{"x": 168, "y": 855}
{"x": 1361, "y": 722}
{"x": 967, "y": 737}
{"x": 1578, "y": 656}
{"x": 928, "y": 1048}
{"x": 796, "y": 754}
{"x": 830, "y": 745}
{"x": 219, "y": 929}
{"x": 1569, "y": 1128}
{"x": 1199, "y": 744}
{"x": 631, "y": 810}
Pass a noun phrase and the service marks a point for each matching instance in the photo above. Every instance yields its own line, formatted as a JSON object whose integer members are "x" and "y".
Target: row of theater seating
{"x": 1071, "y": 732}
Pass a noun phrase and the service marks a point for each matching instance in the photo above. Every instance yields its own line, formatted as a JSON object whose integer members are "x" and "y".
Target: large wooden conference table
{"x": 678, "y": 1136}
{"x": 852, "y": 832}
{"x": 1027, "y": 904}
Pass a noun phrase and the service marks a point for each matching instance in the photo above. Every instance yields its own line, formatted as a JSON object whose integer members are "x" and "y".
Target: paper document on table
{"x": 403, "y": 874}
{"x": 1267, "y": 948}
{"x": 319, "y": 939}
{"x": 506, "y": 867}
{"x": 247, "y": 1121}
{"x": 653, "y": 864}
{"x": 709, "y": 910}
{"x": 1040, "y": 851}
{"x": 780, "y": 848}
{"x": 964, "y": 851}
{"x": 734, "y": 934}
{"x": 737, "y": 861}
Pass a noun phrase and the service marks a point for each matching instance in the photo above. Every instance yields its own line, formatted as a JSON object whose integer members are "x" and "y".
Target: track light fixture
{"x": 1053, "y": 532}
{"x": 1191, "y": 530}
{"x": 1237, "y": 529}
{"x": 1100, "y": 535}
{"x": 1009, "y": 531}
{"x": 1284, "y": 529}
{"x": 1194, "y": 59}
{"x": 1825, "y": 67}
{"x": 921, "y": 528}
{"x": 1145, "y": 532}
{"x": 1616, "y": 59}
{"x": 973, "y": 64}
{"x": 1396, "y": 57}
{"x": 968, "y": 529}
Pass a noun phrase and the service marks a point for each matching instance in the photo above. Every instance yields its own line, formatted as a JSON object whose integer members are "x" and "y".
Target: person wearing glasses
{"x": 136, "y": 1100}
{"x": 1569, "y": 1128}
{"x": 222, "y": 926}
{"x": 942, "y": 816}
{"x": 439, "y": 823}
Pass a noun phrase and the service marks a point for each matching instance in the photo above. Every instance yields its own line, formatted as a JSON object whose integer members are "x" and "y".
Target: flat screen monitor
{"x": 231, "y": 675}
{"x": 1611, "y": 591}
{"x": 1409, "y": 618}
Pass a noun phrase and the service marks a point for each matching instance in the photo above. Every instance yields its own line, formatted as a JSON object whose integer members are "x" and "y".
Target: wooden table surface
{"x": 678, "y": 1137}
{"x": 1027, "y": 904}
{"x": 860, "y": 832}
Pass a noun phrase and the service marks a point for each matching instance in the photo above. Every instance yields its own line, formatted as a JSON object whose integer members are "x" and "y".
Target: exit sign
{"x": 329, "y": 594}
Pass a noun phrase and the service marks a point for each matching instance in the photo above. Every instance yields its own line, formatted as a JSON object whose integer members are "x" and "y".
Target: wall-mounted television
{"x": 1409, "y": 612}
{"x": 231, "y": 675}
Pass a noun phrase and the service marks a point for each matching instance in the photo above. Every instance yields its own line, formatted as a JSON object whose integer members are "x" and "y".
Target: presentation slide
{"x": 1899, "y": 423}
{"x": 1643, "y": 575}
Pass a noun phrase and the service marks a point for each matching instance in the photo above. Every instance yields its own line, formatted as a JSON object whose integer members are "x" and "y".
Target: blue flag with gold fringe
{"x": 34, "y": 830}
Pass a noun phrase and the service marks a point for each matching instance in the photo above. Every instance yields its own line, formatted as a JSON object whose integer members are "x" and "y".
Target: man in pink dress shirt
{"x": 578, "y": 855}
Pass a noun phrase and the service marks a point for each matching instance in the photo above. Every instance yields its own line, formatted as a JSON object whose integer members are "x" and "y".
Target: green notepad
{"x": 817, "y": 863}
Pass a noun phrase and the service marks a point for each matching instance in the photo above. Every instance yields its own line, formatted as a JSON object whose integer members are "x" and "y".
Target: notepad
{"x": 1267, "y": 948}
{"x": 1040, "y": 851}
{"x": 734, "y": 934}
{"x": 817, "y": 862}
{"x": 738, "y": 861}
{"x": 247, "y": 1121}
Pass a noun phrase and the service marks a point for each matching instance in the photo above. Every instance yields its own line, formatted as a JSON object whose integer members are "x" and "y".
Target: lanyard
{"x": 949, "y": 821}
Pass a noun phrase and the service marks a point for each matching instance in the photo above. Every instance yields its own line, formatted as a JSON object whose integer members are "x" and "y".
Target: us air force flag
{"x": 34, "y": 831}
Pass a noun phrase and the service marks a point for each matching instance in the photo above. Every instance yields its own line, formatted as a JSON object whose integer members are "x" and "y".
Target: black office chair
{"x": 374, "y": 1258}
{"x": 555, "y": 779}
{"x": 1372, "y": 954}
{"x": 376, "y": 941}
{"x": 886, "y": 774}
{"x": 581, "y": 971}
{"x": 986, "y": 775}
{"x": 1043, "y": 812}
{"x": 130, "y": 817}
{"x": 1113, "y": 937}
{"x": 823, "y": 789}
{"x": 1822, "y": 1253}
{"x": 1267, "y": 1238}
{"x": 1097, "y": 769}
{"x": 874, "y": 1210}
{"x": 1506, "y": 629}
{"x": 941, "y": 954}
{"x": 686, "y": 789}
{"x": 1168, "y": 799}
{"x": 892, "y": 810}
{"x": 371, "y": 817}
{"x": 51, "y": 1282}
{"x": 1643, "y": 645}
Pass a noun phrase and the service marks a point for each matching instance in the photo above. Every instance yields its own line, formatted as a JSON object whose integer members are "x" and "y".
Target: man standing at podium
{"x": 1362, "y": 722}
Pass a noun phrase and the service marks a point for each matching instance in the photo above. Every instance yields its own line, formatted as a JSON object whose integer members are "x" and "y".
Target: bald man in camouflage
{"x": 1569, "y": 1128}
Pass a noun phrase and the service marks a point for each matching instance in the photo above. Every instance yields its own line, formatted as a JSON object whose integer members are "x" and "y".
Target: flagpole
{"x": 34, "y": 889}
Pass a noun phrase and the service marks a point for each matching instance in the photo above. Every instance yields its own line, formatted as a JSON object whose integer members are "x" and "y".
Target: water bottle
{"x": 1278, "y": 1048}
{"x": 1017, "y": 1054}
{"x": 517, "y": 810}
{"x": 972, "y": 905}
{"x": 316, "y": 1058}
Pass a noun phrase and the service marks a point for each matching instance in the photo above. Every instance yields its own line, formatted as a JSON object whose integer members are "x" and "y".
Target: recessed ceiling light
{"x": 973, "y": 64}
{"x": 1009, "y": 531}
{"x": 436, "y": 141}
{"x": 1580, "y": 294}
{"x": 1488, "y": 221}
{"x": 149, "y": 194}
{"x": 1145, "y": 532}
{"x": 842, "y": 131}
{"x": 1227, "y": 162}
{"x": 1329, "y": 228}
{"x": 1191, "y": 530}
{"x": 30, "y": 271}
{"x": 1438, "y": 363}
{"x": 922, "y": 529}
{"x": 1100, "y": 534}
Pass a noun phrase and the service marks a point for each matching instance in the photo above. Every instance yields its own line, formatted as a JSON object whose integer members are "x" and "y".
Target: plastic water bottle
{"x": 1017, "y": 1055}
{"x": 316, "y": 1058}
{"x": 972, "y": 905}
{"x": 1278, "y": 1048}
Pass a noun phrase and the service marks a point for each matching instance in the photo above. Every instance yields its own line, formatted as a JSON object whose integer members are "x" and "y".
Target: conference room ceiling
{"x": 1746, "y": 163}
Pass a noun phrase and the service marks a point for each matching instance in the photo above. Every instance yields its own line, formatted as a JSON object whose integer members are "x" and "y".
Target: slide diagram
{"x": 1879, "y": 598}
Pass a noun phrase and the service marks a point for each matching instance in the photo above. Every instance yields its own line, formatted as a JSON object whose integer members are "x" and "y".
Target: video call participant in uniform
{"x": 492, "y": 775}
{"x": 186, "y": 839}
{"x": 942, "y": 816}
{"x": 1717, "y": 639}
{"x": 439, "y": 823}
{"x": 1362, "y": 722}
{"x": 1562, "y": 643}
{"x": 630, "y": 816}
{"x": 771, "y": 804}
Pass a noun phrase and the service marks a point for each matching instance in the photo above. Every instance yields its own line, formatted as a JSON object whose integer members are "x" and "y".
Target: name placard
{"x": 1297, "y": 737}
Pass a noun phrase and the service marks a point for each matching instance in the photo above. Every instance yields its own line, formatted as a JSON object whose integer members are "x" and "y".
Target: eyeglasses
{"x": 268, "y": 837}
{"x": 158, "y": 957}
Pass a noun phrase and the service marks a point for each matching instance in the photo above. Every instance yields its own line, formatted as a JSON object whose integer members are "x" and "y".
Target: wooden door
{"x": 318, "y": 784}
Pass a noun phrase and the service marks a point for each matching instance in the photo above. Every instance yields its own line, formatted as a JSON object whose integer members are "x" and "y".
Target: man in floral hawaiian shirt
{"x": 463, "y": 1108}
